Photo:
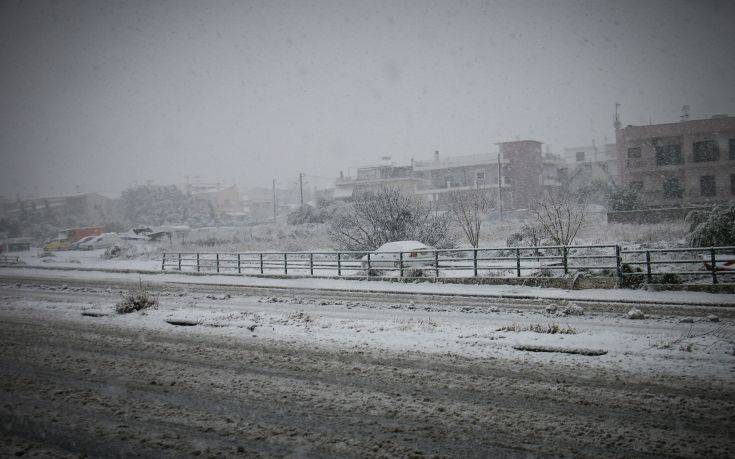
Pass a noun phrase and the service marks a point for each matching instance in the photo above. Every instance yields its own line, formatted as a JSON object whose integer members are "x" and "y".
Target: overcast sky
{"x": 100, "y": 95}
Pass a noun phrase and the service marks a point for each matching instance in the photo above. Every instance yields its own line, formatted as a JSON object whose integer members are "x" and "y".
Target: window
{"x": 706, "y": 151}
{"x": 580, "y": 156}
{"x": 480, "y": 177}
{"x": 634, "y": 152}
{"x": 667, "y": 155}
{"x": 636, "y": 186}
{"x": 732, "y": 149}
{"x": 707, "y": 185}
{"x": 672, "y": 189}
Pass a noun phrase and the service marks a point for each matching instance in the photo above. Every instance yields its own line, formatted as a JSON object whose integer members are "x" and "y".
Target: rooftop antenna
{"x": 617, "y": 122}
{"x": 685, "y": 113}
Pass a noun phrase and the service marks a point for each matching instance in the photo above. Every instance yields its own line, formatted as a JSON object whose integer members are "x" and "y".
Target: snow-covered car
{"x": 103, "y": 241}
{"x": 78, "y": 245}
{"x": 415, "y": 253}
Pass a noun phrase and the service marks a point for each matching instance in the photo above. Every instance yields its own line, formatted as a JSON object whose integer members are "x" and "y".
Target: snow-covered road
{"x": 280, "y": 375}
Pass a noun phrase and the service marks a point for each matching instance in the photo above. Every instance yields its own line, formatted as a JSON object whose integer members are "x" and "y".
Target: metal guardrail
{"x": 501, "y": 262}
{"x": 650, "y": 262}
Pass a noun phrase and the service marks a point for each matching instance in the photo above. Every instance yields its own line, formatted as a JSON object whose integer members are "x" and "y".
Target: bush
{"x": 624, "y": 199}
{"x": 388, "y": 215}
{"x": 670, "y": 278}
{"x": 136, "y": 299}
{"x": 418, "y": 272}
{"x": 560, "y": 215}
{"x": 713, "y": 228}
{"x": 631, "y": 281}
{"x": 307, "y": 214}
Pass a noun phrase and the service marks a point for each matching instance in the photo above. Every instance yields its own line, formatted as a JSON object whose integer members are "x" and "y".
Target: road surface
{"x": 85, "y": 387}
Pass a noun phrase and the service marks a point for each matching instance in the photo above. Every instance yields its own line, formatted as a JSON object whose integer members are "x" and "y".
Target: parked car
{"x": 66, "y": 238}
{"x": 415, "y": 253}
{"x": 103, "y": 241}
{"x": 78, "y": 245}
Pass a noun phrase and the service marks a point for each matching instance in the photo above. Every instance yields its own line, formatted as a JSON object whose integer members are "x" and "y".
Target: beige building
{"x": 679, "y": 164}
{"x": 375, "y": 177}
{"x": 225, "y": 200}
{"x": 589, "y": 164}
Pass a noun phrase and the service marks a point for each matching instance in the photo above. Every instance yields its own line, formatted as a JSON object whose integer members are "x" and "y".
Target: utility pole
{"x": 301, "y": 187}
{"x": 274, "y": 200}
{"x": 500, "y": 190}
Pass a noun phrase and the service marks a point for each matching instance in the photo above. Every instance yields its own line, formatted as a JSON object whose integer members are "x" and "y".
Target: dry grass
{"x": 416, "y": 324}
{"x": 551, "y": 329}
{"x": 136, "y": 299}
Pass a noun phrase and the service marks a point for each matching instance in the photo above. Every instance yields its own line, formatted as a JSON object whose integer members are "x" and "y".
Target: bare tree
{"x": 468, "y": 207}
{"x": 560, "y": 215}
{"x": 384, "y": 216}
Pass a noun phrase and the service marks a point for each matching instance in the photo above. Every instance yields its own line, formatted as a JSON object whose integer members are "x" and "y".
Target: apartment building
{"x": 585, "y": 165}
{"x": 679, "y": 164}
{"x": 373, "y": 178}
{"x": 518, "y": 174}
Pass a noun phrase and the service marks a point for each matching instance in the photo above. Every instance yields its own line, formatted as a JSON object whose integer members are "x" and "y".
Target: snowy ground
{"x": 87, "y": 259}
{"x": 310, "y": 376}
{"x": 657, "y": 344}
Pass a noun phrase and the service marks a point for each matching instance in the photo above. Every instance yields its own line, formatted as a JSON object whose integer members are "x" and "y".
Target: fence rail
{"x": 600, "y": 260}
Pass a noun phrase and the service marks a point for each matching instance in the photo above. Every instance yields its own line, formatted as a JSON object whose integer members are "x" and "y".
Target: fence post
{"x": 565, "y": 262}
{"x": 474, "y": 262}
{"x": 713, "y": 260}
{"x": 649, "y": 276}
{"x": 163, "y": 262}
{"x": 285, "y": 263}
{"x": 368, "y": 265}
{"x": 216, "y": 262}
{"x": 311, "y": 263}
{"x": 260, "y": 255}
{"x": 518, "y": 262}
{"x": 198, "y": 268}
{"x": 179, "y": 261}
{"x": 339, "y": 264}
{"x": 436, "y": 263}
{"x": 239, "y": 269}
{"x": 618, "y": 263}
{"x": 400, "y": 264}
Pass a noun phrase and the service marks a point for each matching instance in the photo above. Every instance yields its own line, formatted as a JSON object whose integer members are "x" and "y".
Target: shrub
{"x": 713, "y": 228}
{"x": 387, "y": 215}
{"x": 418, "y": 272}
{"x": 631, "y": 281}
{"x": 136, "y": 299}
{"x": 306, "y": 214}
{"x": 624, "y": 199}
{"x": 670, "y": 278}
{"x": 560, "y": 215}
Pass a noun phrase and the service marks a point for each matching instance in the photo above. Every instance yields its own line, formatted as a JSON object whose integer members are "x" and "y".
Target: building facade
{"x": 86, "y": 207}
{"x": 590, "y": 163}
{"x": 679, "y": 164}
{"x": 374, "y": 178}
{"x": 442, "y": 176}
{"x": 518, "y": 174}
